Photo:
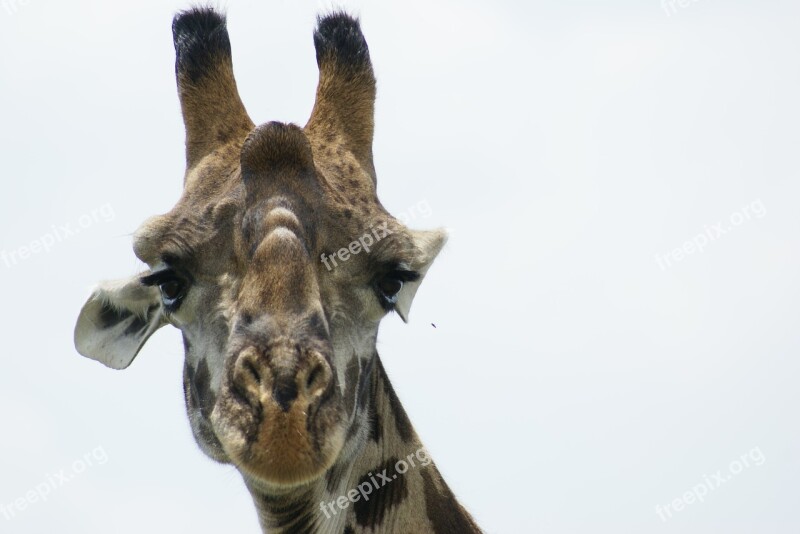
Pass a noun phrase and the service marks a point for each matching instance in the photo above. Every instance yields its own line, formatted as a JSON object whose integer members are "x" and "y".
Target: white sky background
{"x": 572, "y": 384}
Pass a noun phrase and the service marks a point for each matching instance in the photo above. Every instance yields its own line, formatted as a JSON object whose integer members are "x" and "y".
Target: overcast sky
{"x": 616, "y": 311}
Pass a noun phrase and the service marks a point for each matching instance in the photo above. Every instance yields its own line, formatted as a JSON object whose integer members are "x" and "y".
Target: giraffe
{"x": 277, "y": 264}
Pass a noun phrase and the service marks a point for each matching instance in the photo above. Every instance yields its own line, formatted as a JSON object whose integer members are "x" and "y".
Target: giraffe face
{"x": 277, "y": 263}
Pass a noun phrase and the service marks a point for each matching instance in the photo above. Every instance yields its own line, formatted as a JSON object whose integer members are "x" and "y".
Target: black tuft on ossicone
{"x": 338, "y": 36}
{"x": 201, "y": 37}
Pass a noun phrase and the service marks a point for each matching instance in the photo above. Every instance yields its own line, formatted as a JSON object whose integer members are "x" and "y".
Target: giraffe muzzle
{"x": 280, "y": 415}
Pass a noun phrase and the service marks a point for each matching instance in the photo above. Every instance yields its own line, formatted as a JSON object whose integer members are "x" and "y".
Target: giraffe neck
{"x": 384, "y": 482}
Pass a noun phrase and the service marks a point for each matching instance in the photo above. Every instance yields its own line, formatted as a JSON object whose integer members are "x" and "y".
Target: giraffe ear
{"x": 428, "y": 244}
{"x": 116, "y": 321}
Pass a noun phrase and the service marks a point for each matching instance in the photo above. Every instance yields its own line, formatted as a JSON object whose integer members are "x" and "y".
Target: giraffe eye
{"x": 170, "y": 290}
{"x": 170, "y": 284}
{"x": 389, "y": 285}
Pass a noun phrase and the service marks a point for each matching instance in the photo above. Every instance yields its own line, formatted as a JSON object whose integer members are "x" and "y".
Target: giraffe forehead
{"x": 218, "y": 218}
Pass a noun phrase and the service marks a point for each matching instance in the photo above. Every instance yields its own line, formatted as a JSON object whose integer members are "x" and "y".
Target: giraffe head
{"x": 277, "y": 263}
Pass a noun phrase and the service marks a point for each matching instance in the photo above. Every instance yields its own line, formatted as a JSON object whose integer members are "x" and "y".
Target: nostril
{"x": 318, "y": 377}
{"x": 242, "y": 394}
{"x": 251, "y": 370}
{"x": 248, "y": 379}
{"x": 313, "y": 376}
